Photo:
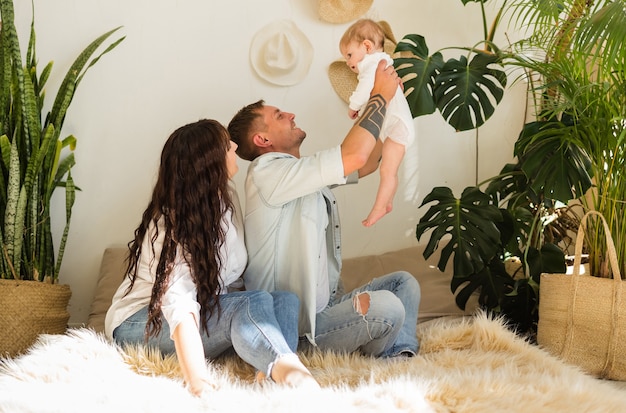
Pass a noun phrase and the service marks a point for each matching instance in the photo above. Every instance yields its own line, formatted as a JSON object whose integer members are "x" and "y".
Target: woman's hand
{"x": 190, "y": 355}
{"x": 200, "y": 385}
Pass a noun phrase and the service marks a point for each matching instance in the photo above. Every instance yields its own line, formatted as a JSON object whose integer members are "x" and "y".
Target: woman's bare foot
{"x": 290, "y": 371}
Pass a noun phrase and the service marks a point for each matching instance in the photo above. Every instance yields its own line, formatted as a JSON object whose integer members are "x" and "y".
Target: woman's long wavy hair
{"x": 191, "y": 197}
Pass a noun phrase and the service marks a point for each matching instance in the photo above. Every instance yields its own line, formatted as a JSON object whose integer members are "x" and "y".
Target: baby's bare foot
{"x": 376, "y": 214}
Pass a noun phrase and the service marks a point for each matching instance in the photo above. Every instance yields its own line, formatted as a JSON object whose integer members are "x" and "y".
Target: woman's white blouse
{"x": 180, "y": 296}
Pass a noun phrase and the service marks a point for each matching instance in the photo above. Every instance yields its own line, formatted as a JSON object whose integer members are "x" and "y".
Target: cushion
{"x": 437, "y": 299}
{"x": 112, "y": 269}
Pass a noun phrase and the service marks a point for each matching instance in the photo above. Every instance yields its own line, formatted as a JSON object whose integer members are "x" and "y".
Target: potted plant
{"x": 35, "y": 161}
{"x": 572, "y": 153}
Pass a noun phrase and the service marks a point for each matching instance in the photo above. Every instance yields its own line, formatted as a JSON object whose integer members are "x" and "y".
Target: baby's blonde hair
{"x": 363, "y": 29}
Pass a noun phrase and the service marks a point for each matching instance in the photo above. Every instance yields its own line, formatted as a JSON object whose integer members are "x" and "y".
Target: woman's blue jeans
{"x": 378, "y": 319}
{"x": 260, "y": 326}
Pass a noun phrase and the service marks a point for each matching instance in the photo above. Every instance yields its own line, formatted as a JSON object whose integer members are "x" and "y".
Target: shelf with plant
{"x": 569, "y": 157}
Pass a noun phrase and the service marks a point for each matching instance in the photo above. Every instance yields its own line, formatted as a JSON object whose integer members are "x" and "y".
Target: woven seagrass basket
{"x": 30, "y": 308}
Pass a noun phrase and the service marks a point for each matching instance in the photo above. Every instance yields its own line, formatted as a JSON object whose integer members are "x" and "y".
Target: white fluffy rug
{"x": 473, "y": 365}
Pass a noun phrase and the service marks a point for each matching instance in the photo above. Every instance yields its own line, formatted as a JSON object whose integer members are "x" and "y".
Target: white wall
{"x": 183, "y": 60}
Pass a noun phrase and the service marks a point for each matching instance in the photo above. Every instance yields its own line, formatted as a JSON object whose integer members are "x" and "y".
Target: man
{"x": 293, "y": 234}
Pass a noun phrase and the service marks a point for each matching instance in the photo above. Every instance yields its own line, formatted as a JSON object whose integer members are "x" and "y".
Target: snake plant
{"x": 36, "y": 158}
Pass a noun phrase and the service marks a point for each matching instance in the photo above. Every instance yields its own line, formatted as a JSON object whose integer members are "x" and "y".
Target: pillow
{"x": 112, "y": 269}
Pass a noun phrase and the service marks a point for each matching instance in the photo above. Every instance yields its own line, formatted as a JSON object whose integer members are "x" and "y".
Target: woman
{"x": 187, "y": 251}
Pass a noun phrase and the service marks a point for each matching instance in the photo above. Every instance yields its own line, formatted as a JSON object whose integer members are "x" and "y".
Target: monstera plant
{"x": 571, "y": 153}
{"x": 465, "y": 90}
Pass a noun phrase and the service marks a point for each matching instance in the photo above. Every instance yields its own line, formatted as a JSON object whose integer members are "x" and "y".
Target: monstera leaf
{"x": 466, "y": 93}
{"x": 554, "y": 165}
{"x": 549, "y": 259}
{"x": 491, "y": 282}
{"x": 470, "y": 222}
{"x": 511, "y": 186}
{"x": 418, "y": 73}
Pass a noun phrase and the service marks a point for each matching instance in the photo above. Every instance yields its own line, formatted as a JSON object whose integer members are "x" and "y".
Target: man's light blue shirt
{"x": 289, "y": 207}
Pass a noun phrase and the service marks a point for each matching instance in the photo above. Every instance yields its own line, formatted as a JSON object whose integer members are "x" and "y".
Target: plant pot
{"x": 28, "y": 309}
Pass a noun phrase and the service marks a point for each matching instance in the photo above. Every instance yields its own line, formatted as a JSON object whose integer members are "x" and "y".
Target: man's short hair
{"x": 243, "y": 126}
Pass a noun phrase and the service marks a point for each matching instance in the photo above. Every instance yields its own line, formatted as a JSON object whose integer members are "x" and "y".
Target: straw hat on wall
{"x": 342, "y": 11}
{"x": 280, "y": 53}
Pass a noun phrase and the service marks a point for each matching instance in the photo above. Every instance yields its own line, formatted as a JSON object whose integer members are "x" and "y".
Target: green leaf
{"x": 5, "y": 84}
{"x": 468, "y": 222}
{"x": 466, "y": 94}
{"x": 468, "y": 285}
{"x": 553, "y": 163}
{"x": 549, "y": 259}
{"x": 473, "y": 1}
{"x": 45, "y": 74}
{"x": 64, "y": 168}
{"x": 32, "y": 124}
{"x": 418, "y": 73}
{"x": 520, "y": 306}
{"x": 509, "y": 187}
{"x": 70, "y": 198}
{"x": 65, "y": 93}
{"x": 606, "y": 26}
{"x": 491, "y": 282}
{"x": 11, "y": 213}
{"x": 522, "y": 226}
{"x": 5, "y": 147}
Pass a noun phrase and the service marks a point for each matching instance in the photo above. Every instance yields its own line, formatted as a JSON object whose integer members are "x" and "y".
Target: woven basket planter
{"x": 30, "y": 308}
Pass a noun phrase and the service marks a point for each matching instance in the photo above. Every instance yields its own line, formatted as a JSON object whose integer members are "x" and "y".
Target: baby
{"x": 362, "y": 47}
